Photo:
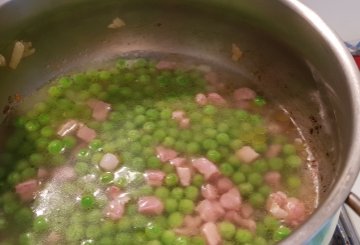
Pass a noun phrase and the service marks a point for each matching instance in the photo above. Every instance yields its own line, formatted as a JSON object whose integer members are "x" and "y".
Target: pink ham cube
{"x": 211, "y": 233}
{"x": 216, "y": 99}
{"x": 100, "y": 109}
{"x": 154, "y": 177}
{"x": 114, "y": 210}
{"x": 209, "y": 192}
{"x": 206, "y": 167}
{"x": 231, "y": 200}
{"x": 165, "y": 154}
{"x": 224, "y": 184}
{"x": 210, "y": 211}
{"x": 86, "y": 134}
{"x": 27, "y": 189}
{"x": 150, "y": 205}
{"x": 201, "y": 99}
{"x": 244, "y": 94}
{"x": 184, "y": 174}
{"x": 247, "y": 154}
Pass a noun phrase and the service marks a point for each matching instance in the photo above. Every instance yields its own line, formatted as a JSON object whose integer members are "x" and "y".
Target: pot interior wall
{"x": 73, "y": 36}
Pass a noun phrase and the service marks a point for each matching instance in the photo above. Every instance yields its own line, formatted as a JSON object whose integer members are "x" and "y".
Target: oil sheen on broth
{"x": 152, "y": 152}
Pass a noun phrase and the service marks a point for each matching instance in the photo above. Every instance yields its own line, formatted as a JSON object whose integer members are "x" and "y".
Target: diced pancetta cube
{"x": 64, "y": 173}
{"x": 206, "y": 167}
{"x": 201, "y": 99}
{"x": 112, "y": 192}
{"x": 86, "y": 134}
{"x": 154, "y": 177}
{"x": 235, "y": 217}
{"x": 109, "y": 162}
{"x": 273, "y": 151}
{"x": 100, "y": 109}
{"x": 165, "y": 65}
{"x": 244, "y": 94}
{"x": 272, "y": 178}
{"x": 247, "y": 154}
{"x": 231, "y": 200}
{"x": 296, "y": 212}
{"x": 191, "y": 226}
{"x": 184, "y": 174}
{"x": 27, "y": 189}
{"x": 165, "y": 154}
{"x": 209, "y": 192}
{"x": 210, "y": 211}
{"x": 246, "y": 210}
{"x": 211, "y": 233}
{"x": 184, "y": 123}
{"x": 224, "y": 184}
{"x": 276, "y": 203}
{"x": 150, "y": 205}
{"x": 178, "y": 162}
{"x": 178, "y": 115}
{"x": 216, "y": 99}
{"x": 42, "y": 173}
{"x": 114, "y": 210}
{"x": 68, "y": 128}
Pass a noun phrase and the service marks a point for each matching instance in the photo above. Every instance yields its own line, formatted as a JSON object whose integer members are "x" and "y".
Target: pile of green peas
{"x": 142, "y": 99}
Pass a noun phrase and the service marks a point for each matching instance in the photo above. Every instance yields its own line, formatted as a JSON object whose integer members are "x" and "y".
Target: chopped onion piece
{"x": 116, "y": 23}
{"x": 17, "y": 54}
{"x": 236, "y": 52}
{"x": 2, "y": 60}
{"x": 29, "y": 50}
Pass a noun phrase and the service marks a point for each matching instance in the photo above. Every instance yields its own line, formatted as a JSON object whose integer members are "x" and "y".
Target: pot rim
{"x": 341, "y": 189}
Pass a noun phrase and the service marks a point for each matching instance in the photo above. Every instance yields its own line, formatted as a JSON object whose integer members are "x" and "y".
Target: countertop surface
{"x": 344, "y": 18}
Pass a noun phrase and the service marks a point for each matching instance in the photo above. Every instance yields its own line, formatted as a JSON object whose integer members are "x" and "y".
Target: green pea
{"x": 47, "y": 132}
{"x": 24, "y": 216}
{"x": 276, "y": 163}
{"x": 181, "y": 241}
{"x": 209, "y": 144}
{"x": 293, "y": 161}
{"x": 192, "y": 148}
{"x": 96, "y": 145}
{"x": 32, "y": 126}
{"x": 264, "y": 190}
{"x": 198, "y": 180}
{"x": 93, "y": 231}
{"x": 227, "y": 230}
{"x": 168, "y": 141}
{"x": 198, "y": 240}
{"x": 281, "y": 233}
{"x": 56, "y": 147}
{"x": 27, "y": 173}
{"x": 153, "y": 162}
{"x": 271, "y": 223}
{"x": 209, "y": 110}
{"x": 168, "y": 237}
{"x": 153, "y": 231}
{"x": 255, "y": 179}
{"x": 106, "y": 240}
{"x": 257, "y": 200}
{"x": 175, "y": 220}
{"x": 27, "y": 239}
{"x": 288, "y": 149}
{"x": 227, "y": 169}
{"x": 186, "y": 206}
{"x": 162, "y": 192}
{"x": 210, "y": 132}
{"x": 223, "y": 139}
{"x": 238, "y": 177}
{"x": 246, "y": 188}
{"x": 55, "y": 91}
{"x": 123, "y": 238}
{"x": 69, "y": 141}
{"x": 108, "y": 227}
{"x": 81, "y": 168}
{"x": 107, "y": 178}
{"x": 124, "y": 224}
{"x": 139, "y": 221}
{"x": 171, "y": 179}
{"x": 177, "y": 193}
{"x": 214, "y": 155}
{"x": 171, "y": 205}
{"x": 94, "y": 216}
{"x": 191, "y": 193}
{"x": 260, "y": 241}
{"x": 74, "y": 233}
{"x": 260, "y": 166}
{"x": 243, "y": 236}
{"x": 293, "y": 182}
{"x": 87, "y": 202}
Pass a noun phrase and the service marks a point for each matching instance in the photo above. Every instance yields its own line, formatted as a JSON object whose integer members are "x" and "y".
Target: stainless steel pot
{"x": 289, "y": 53}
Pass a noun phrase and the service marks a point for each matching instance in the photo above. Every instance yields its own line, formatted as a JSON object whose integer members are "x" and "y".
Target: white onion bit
{"x": 17, "y": 54}
{"x": 236, "y": 52}
{"x": 116, "y": 23}
{"x": 2, "y": 60}
{"x": 109, "y": 162}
